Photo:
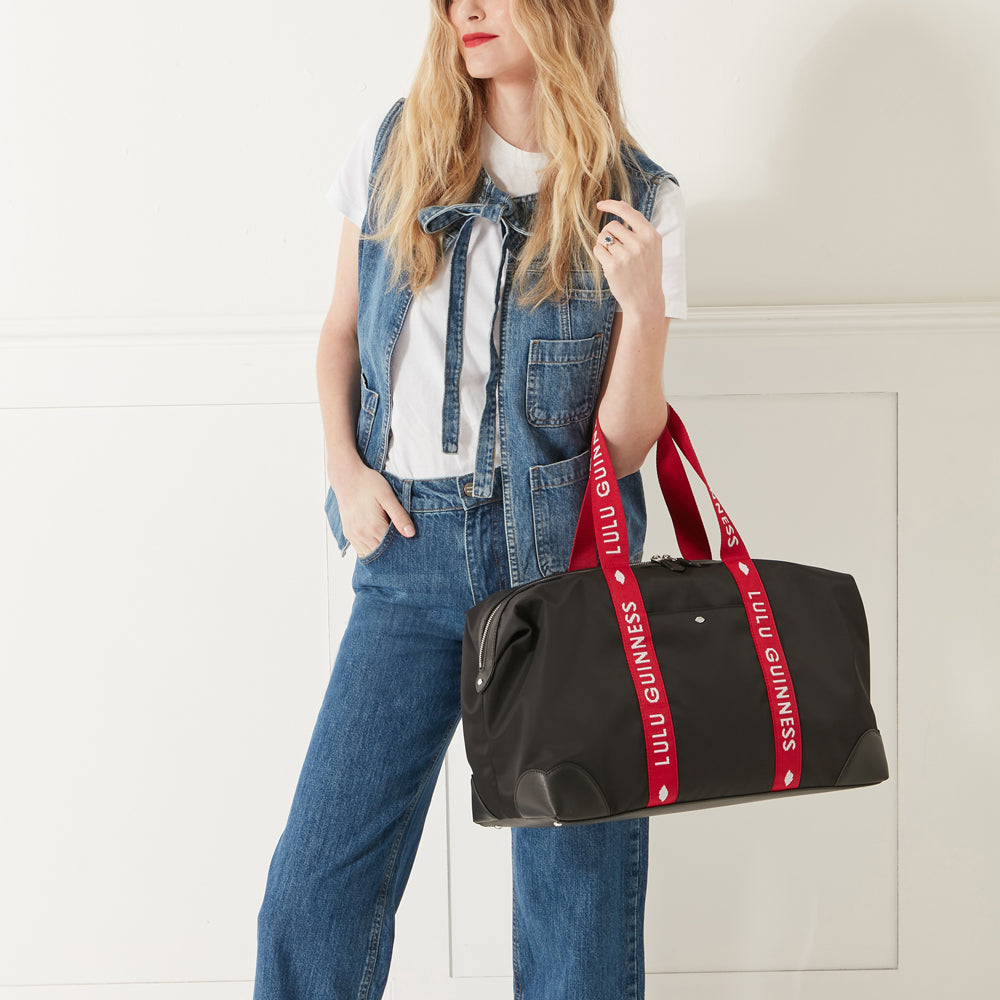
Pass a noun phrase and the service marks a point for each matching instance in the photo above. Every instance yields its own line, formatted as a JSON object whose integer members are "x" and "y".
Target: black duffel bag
{"x": 617, "y": 690}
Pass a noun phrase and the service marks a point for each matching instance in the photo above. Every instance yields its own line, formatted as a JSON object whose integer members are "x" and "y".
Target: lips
{"x": 476, "y": 39}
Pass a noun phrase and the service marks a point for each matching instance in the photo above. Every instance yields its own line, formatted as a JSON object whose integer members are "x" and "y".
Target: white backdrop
{"x": 171, "y": 160}
{"x": 170, "y": 599}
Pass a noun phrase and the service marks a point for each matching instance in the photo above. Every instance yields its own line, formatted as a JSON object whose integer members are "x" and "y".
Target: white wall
{"x": 165, "y": 160}
{"x": 169, "y": 598}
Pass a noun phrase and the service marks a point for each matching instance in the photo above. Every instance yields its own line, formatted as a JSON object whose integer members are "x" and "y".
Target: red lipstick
{"x": 476, "y": 39}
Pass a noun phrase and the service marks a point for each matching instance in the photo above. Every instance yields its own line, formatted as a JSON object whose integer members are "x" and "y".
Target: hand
{"x": 633, "y": 263}
{"x": 368, "y": 505}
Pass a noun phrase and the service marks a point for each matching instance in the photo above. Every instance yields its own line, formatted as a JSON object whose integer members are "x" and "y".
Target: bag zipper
{"x": 482, "y": 642}
{"x": 495, "y": 614}
{"x": 673, "y": 563}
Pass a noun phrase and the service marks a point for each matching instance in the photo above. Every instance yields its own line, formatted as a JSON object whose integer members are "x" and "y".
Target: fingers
{"x": 629, "y": 251}
{"x": 368, "y": 506}
{"x": 389, "y": 513}
{"x": 397, "y": 513}
{"x": 622, "y": 234}
{"x": 632, "y": 228}
{"x": 617, "y": 241}
{"x": 623, "y": 210}
{"x": 367, "y": 545}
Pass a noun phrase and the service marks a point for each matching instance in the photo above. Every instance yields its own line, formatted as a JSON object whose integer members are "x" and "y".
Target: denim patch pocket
{"x": 556, "y": 495}
{"x": 563, "y": 379}
{"x": 333, "y": 517}
{"x": 366, "y": 415}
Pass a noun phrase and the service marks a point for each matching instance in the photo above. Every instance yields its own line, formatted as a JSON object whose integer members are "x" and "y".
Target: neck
{"x": 510, "y": 110}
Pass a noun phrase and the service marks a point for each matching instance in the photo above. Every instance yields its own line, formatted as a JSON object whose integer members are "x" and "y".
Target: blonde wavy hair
{"x": 433, "y": 155}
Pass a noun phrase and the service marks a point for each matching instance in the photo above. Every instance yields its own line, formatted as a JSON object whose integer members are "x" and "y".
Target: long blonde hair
{"x": 433, "y": 155}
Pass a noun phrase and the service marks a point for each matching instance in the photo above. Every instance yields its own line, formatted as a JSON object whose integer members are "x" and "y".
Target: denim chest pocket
{"x": 563, "y": 380}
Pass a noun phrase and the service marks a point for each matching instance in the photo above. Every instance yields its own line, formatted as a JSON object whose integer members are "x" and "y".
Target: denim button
{"x": 467, "y": 488}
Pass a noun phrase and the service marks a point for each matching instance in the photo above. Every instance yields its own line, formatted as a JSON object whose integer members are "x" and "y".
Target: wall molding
{"x": 881, "y": 319}
{"x": 294, "y": 329}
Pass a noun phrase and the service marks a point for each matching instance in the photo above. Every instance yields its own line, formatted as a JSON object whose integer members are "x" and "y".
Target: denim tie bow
{"x": 438, "y": 218}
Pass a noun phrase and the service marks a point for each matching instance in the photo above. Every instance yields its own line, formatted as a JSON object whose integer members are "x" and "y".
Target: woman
{"x": 457, "y": 461}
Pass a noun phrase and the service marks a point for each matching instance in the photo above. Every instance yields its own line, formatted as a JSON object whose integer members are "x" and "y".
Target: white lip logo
{"x": 620, "y": 576}
{"x": 744, "y": 569}
{"x": 789, "y": 778}
{"x": 664, "y": 794}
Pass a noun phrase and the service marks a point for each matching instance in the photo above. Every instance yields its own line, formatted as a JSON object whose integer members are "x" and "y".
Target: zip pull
{"x": 671, "y": 563}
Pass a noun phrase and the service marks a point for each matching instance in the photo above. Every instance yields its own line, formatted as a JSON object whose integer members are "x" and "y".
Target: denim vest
{"x": 543, "y": 382}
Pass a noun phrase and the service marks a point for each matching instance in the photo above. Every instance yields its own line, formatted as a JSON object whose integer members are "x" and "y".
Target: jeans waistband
{"x": 447, "y": 493}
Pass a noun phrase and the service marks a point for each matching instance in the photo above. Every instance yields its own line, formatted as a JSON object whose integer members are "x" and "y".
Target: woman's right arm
{"x": 366, "y": 501}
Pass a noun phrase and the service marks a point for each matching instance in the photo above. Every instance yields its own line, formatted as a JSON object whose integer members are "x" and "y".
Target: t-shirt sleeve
{"x": 668, "y": 218}
{"x": 349, "y": 190}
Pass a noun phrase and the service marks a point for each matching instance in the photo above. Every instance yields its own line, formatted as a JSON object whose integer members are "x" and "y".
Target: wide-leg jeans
{"x": 326, "y": 924}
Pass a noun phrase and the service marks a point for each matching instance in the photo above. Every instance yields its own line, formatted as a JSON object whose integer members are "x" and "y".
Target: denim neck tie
{"x": 438, "y": 218}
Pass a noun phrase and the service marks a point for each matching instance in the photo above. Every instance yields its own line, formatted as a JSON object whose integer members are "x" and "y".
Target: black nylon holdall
{"x": 615, "y": 690}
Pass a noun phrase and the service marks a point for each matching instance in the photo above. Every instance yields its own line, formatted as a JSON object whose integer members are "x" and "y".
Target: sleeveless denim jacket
{"x": 543, "y": 382}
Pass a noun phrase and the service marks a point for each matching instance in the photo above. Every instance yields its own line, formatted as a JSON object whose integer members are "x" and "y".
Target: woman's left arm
{"x": 631, "y": 405}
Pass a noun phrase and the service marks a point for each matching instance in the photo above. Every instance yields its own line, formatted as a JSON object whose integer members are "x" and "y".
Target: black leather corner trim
{"x": 565, "y": 792}
{"x": 866, "y": 763}
{"x": 480, "y": 814}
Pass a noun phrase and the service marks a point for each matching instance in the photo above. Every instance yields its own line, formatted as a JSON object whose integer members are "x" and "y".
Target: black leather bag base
{"x": 549, "y": 709}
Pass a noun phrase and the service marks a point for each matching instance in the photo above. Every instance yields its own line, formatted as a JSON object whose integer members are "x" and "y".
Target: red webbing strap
{"x": 771, "y": 656}
{"x": 679, "y": 498}
{"x": 676, "y": 490}
{"x": 609, "y": 530}
{"x": 584, "y": 552}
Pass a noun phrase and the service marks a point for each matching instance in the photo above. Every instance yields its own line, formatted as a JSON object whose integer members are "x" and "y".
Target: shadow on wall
{"x": 883, "y": 178}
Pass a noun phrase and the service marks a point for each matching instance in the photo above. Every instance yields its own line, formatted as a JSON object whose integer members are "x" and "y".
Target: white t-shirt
{"x": 418, "y": 360}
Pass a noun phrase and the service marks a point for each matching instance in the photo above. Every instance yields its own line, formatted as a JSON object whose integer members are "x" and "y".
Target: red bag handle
{"x": 679, "y": 498}
{"x": 602, "y": 536}
{"x": 676, "y": 490}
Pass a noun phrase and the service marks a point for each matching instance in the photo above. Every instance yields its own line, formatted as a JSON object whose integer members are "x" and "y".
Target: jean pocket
{"x": 563, "y": 379}
{"x": 556, "y": 495}
{"x": 387, "y": 539}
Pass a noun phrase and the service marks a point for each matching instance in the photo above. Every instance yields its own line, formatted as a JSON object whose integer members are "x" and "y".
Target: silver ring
{"x": 608, "y": 239}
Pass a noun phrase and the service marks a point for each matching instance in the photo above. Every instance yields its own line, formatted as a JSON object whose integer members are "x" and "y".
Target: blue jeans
{"x": 326, "y": 924}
